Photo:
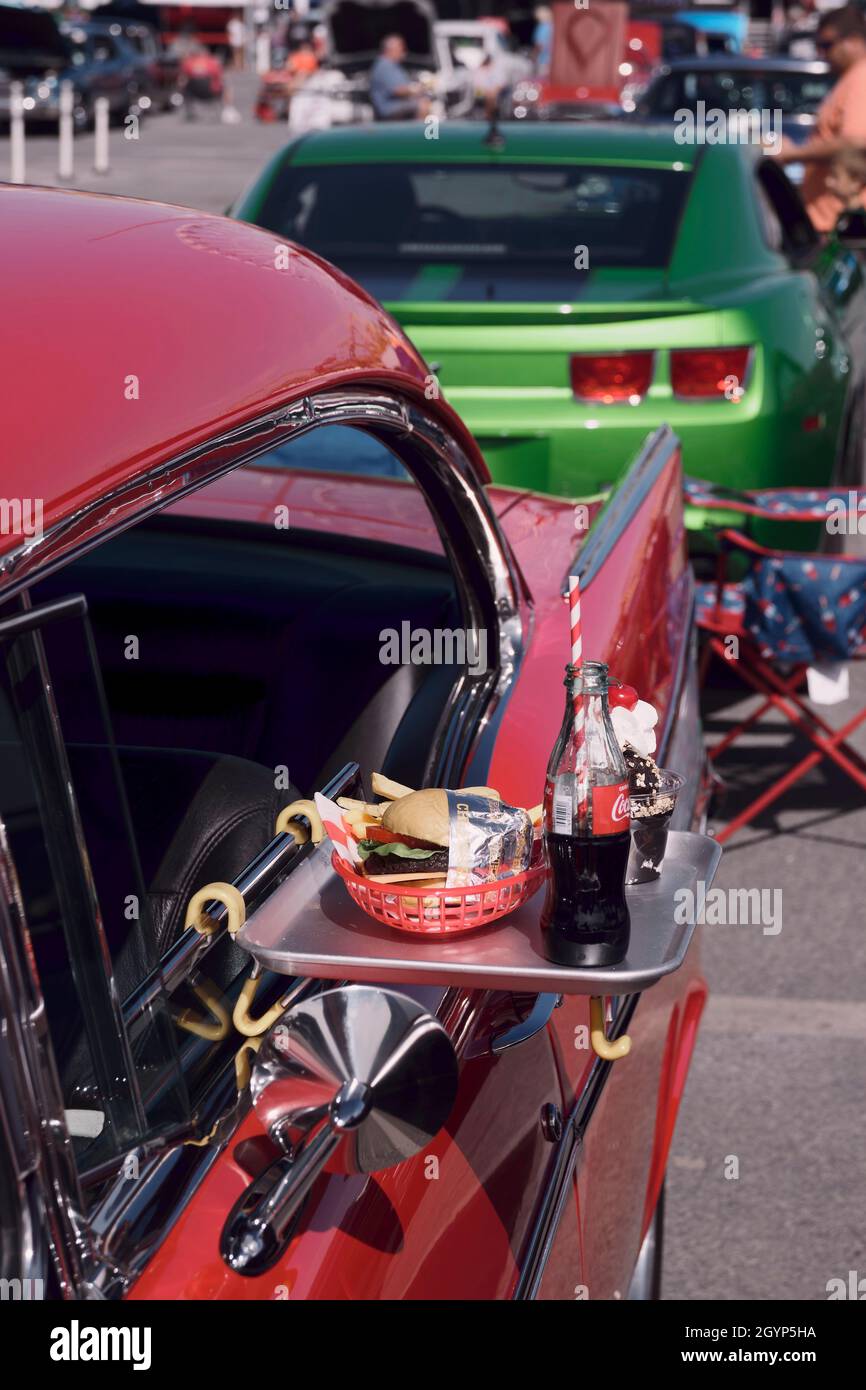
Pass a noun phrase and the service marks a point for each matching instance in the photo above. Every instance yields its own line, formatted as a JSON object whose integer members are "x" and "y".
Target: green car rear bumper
{"x": 552, "y": 443}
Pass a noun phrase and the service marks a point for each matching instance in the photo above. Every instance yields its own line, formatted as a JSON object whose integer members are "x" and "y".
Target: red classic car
{"x": 226, "y": 474}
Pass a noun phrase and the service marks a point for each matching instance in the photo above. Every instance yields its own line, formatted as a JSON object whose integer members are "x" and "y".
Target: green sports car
{"x": 573, "y": 286}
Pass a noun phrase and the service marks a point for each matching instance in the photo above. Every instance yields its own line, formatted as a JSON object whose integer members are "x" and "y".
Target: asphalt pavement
{"x": 204, "y": 162}
{"x": 767, "y": 1180}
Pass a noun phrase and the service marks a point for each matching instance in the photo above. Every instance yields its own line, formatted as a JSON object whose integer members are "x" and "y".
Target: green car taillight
{"x": 706, "y": 373}
{"x": 609, "y": 377}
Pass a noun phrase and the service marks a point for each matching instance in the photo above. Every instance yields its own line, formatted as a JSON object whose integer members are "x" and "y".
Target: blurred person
{"x": 236, "y": 32}
{"x": 284, "y": 80}
{"x": 395, "y": 97}
{"x": 302, "y": 61}
{"x": 846, "y": 180}
{"x": 542, "y": 39}
{"x": 200, "y": 79}
{"x": 185, "y": 42}
{"x": 841, "y": 117}
{"x": 320, "y": 41}
{"x": 799, "y": 31}
{"x": 490, "y": 85}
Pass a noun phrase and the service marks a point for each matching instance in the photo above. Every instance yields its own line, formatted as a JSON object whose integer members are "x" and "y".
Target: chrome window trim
{"x": 622, "y": 505}
{"x": 104, "y": 1007}
{"x": 32, "y": 1117}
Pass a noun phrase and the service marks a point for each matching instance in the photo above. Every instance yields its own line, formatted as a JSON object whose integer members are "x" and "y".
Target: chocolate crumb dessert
{"x": 653, "y": 798}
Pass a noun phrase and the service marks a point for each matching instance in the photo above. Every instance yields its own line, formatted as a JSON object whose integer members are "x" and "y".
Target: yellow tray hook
{"x": 232, "y": 900}
{"x": 210, "y": 996}
{"x": 242, "y": 1018}
{"x": 243, "y": 1061}
{"x": 298, "y": 832}
{"x": 601, "y": 1044}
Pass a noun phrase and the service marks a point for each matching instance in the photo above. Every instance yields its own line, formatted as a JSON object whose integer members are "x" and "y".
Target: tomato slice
{"x": 388, "y": 837}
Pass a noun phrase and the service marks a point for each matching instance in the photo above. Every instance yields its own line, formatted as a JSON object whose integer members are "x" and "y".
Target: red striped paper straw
{"x": 579, "y": 716}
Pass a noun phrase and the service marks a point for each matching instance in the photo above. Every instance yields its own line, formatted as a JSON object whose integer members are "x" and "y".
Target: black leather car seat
{"x": 224, "y": 826}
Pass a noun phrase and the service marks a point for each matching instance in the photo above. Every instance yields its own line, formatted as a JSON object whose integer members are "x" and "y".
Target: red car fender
{"x": 682, "y": 1034}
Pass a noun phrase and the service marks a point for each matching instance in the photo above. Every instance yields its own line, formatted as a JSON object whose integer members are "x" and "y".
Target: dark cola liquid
{"x": 585, "y": 919}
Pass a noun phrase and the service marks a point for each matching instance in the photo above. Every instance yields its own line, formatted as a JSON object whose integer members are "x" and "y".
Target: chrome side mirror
{"x": 361, "y": 1076}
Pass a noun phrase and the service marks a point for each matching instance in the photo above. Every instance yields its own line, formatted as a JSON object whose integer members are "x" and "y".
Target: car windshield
{"x": 470, "y": 231}
{"x": 467, "y": 50}
{"x": 80, "y": 45}
{"x": 792, "y": 93}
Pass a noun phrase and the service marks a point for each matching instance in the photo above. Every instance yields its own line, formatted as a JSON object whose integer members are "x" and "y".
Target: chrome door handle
{"x": 259, "y": 1227}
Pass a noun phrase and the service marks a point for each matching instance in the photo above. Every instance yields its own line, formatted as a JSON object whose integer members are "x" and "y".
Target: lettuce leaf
{"x": 368, "y": 847}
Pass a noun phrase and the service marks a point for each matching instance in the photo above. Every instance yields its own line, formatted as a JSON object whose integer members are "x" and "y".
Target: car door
{"x": 128, "y": 991}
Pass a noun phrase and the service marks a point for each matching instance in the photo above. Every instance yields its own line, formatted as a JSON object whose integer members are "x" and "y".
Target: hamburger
{"x": 411, "y": 843}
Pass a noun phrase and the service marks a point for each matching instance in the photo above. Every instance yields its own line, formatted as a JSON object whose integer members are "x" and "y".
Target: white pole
{"x": 16, "y": 133}
{"x": 65, "y": 167}
{"x": 100, "y": 142}
{"x": 263, "y": 53}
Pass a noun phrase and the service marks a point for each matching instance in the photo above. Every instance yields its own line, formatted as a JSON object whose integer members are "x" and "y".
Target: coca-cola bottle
{"x": 585, "y": 919}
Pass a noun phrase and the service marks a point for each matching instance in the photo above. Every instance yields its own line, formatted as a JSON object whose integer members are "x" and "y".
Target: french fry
{"x": 357, "y": 825}
{"x": 372, "y": 810}
{"x": 383, "y": 786}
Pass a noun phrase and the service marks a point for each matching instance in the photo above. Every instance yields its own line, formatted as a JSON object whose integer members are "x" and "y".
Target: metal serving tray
{"x": 310, "y": 926}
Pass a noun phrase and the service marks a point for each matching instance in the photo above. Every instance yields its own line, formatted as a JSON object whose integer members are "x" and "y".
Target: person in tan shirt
{"x": 841, "y": 118}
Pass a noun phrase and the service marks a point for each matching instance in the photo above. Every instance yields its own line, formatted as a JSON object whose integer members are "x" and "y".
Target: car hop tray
{"x": 309, "y": 926}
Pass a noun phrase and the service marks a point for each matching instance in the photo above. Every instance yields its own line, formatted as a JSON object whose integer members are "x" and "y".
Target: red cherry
{"x": 622, "y": 695}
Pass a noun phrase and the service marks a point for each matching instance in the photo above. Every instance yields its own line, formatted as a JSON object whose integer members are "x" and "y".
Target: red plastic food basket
{"x": 439, "y": 911}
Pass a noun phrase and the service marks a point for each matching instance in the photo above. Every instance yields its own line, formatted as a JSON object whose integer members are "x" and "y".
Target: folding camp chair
{"x": 788, "y": 611}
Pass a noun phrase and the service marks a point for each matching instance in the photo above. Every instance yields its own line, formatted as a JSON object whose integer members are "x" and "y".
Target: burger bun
{"x": 423, "y": 815}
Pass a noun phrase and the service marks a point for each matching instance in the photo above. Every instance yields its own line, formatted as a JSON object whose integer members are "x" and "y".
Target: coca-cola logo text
{"x": 610, "y": 808}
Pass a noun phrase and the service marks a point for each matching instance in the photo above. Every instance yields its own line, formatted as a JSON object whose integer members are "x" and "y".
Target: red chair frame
{"x": 779, "y": 692}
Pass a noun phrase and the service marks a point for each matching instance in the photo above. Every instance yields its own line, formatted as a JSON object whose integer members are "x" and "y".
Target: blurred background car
{"x": 94, "y": 55}
{"x": 162, "y": 67}
{"x": 600, "y": 277}
{"x": 791, "y": 86}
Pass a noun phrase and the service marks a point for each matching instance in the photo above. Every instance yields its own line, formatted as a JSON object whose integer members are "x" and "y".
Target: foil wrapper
{"x": 487, "y": 840}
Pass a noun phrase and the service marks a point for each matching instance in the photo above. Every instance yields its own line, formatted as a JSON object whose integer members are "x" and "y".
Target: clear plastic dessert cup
{"x": 650, "y": 817}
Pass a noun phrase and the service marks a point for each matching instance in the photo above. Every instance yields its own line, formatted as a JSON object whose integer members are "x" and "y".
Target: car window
{"x": 80, "y": 46}
{"x": 104, "y": 49}
{"x": 799, "y": 237}
{"x": 771, "y": 226}
{"x": 792, "y": 93}
{"x": 452, "y": 231}
{"x": 226, "y": 657}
